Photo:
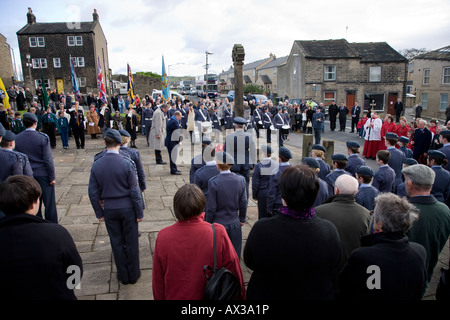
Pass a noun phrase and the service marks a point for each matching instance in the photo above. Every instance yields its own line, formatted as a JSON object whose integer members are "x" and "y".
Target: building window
{"x": 37, "y": 41}
{"x": 330, "y": 73}
{"x": 329, "y": 96}
{"x": 424, "y": 100}
{"x": 56, "y": 62}
{"x": 81, "y": 82}
{"x": 39, "y": 63}
{"x": 426, "y": 76}
{"x": 446, "y": 75}
{"x": 71, "y": 41}
{"x": 374, "y": 101}
{"x": 444, "y": 101}
{"x": 375, "y": 74}
{"x": 78, "y": 40}
{"x": 78, "y": 61}
{"x": 74, "y": 41}
{"x": 274, "y": 71}
{"x": 38, "y": 83}
{"x": 43, "y": 62}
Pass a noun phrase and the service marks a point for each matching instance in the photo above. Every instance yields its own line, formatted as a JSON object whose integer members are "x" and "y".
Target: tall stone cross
{"x": 238, "y": 61}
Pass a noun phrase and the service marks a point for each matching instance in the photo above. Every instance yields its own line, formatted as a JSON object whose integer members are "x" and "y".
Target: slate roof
{"x": 377, "y": 52}
{"x": 439, "y": 54}
{"x": 56, "y": 28}
{"x": 275, "y": 63}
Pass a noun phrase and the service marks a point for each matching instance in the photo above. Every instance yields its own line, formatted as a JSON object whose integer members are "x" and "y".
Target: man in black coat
{"x": 421, "y": 142}
{"x": 39, "y": 258}
{"x": 356, "y": 111}
{"x": 343, "y": 111}
{"x": 333, "y": 111}
{"x": 173, "y": 136}
{"x": 398, "y": 107}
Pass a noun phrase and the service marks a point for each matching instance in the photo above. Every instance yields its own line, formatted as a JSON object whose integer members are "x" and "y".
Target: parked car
{"x": 173, "y": 94}
{"x": 259, "y": 98}
{"x": 193, "y": 92}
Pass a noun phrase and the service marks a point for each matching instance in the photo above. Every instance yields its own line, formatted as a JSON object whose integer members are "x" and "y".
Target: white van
{"x": 173, "y": 95}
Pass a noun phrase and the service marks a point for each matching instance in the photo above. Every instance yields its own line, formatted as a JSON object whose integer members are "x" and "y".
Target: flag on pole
{"x": 165, "y": 83}
{"x": 75, "y": 88}
{"x": 4, "y": 94}
{"x": 130, "y": 86}
{"x": 44, "y": 92}
{"x": 101, "y": 83}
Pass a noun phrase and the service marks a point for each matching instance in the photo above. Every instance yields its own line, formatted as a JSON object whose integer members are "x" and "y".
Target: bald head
{"x": 346, "y": 184}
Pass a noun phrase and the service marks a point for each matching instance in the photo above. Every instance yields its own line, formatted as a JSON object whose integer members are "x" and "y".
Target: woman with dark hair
{"x": 184, "y": 248}
{"x": 293, "y": 254}
{"x": 437, "y": 161}
{"x": 35, "y": 254}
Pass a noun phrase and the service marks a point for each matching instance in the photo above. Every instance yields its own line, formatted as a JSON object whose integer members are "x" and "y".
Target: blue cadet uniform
{"x": 267, "y": 123}
{"x": 401, "y": 190}
{"x": 184, "y": 117}
{"x": 408, "y": 152}
{"x": 147, "y": 116}
{"x": 228, "y": 117}
{"x": 113, "y": 180}
{"x": 322, "y": 193}
{"x": 332, "y": 176}
{"x": 227, "y": 201}
{"x": 324, "y": 167}
{"x": 24, "y": 161}
{"x": 396, "y": 161}
{"x": 173, "y": 138}
{"x": 384, "y": 179}
{"x": 354, "y": 161}
{"x": 441, "y": 185}
{"x": 274, "y": 195}
{"x": 202, "y": 175}
{"x": 279, "y": 122}
{"x": 241, "y": 145}
{"x": 136, "y": 157}
{"x": 260, "y": 180}
{"x": 198, "y": 161}
{"x": 366, "y": 192}
{"x": 257, "y": 120}
{"x": 10, "y": 161}
{"x": 36, "y": 145}
{"x": 215, "y": 119}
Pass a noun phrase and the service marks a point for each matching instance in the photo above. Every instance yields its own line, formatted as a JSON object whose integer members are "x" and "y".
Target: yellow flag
{"x": 6, "y": 97}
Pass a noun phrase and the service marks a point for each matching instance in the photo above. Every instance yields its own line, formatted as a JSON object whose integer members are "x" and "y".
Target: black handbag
{"x": 222, "y": 284}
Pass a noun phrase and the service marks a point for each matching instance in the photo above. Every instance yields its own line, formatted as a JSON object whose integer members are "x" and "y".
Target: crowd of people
{"x": 320, "y": 227}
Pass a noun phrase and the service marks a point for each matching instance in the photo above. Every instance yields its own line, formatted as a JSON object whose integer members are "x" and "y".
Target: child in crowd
{"x": 360, "y": 125}
{"x": 384, "y": 177}
{"x": 403, "y": 143}
{"x": 366, "y": 192}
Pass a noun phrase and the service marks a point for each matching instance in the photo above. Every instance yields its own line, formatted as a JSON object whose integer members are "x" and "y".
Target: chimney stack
{"x": 95, "y": 15}
{"x": 31, "y": 18}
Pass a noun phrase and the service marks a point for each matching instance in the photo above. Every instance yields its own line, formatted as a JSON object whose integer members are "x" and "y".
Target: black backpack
{"x": 222, "y": 284}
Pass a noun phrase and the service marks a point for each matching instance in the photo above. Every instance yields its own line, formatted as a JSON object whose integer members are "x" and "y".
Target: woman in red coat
{"x": 388, "y": 126}
{"x": 402, "y": 128}
{"x": 184, "y": 248}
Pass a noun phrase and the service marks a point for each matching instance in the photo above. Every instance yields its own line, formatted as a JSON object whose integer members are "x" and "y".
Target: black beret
{"x": 410, "y": 161}
{"x": 339, "y": 156}
{"x": 30, "y": 116}
{"x": 240, "y": 120}
{"x": 365, "y": 171}
{"x": 391, "y": 135}
{"x": 353, "y": 144}
{"x": 432, "y": 153}
{"x": 113, "y": 133}
{"x": 224, "y": 157}
{"x": 266, "y": 149}
{"x": 445, "y": 132}
{"x": 9, "y": 136}
{"x": 311, "y": 162}
{"x": 124, "y": 133}
{"x": 404, "y": 139}
{"x": 285, "y": 153}
{"x": 318, "y": 147}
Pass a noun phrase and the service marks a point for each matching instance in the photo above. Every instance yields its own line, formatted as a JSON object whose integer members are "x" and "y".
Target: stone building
{"x": 268, "y": 76}
{"x": 429, "y": 80}
{"x": 6, "y": 63}
{"x": 47, "y": 47}
{"x": 373, "y": 74}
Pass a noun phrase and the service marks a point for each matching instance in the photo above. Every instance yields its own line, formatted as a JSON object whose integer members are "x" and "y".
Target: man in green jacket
{"x": 432, "y": 229}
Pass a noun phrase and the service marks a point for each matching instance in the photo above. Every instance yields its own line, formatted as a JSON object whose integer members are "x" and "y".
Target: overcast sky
{"x": 140, "y": 32}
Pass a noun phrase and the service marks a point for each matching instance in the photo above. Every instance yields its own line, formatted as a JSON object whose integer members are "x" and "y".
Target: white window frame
{"x": 443, "y": 103}
{"x": 32, "y": 40}
{"x": 334, "y": 96}
{"x": 375, "y": 76}
{"x": 37, "y": 83}
{"x": 78, "y": 41}
{"x": 43, "y": 63}
{"x": 81, "y": 82}
{"x": 71, "y": 41}
{"x": 36, "y": 63}
{"x": 275, "y": 71}
{"x": 39, "y": 44}
{"x": 80, "y": 62}
{"x": 446, "y": 75}
{"x": 426, "y": 76}
{"x": 424, "y": 100}
{"x": 56, "y": 63}
{"x": 327, "y": 73}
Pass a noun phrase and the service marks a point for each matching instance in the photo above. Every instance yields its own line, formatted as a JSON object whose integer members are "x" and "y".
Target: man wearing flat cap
{"x": 432, "y": 229}
{"x": 242, "y": 147}
{"x": 36, "y": 145}
{"x": 116, "y": 199}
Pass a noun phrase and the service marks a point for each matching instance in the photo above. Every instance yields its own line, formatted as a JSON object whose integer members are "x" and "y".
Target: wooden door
{"x": 392, "y": 99}
{"x": 350, "y": 101}
{"x": 60, "y": 85}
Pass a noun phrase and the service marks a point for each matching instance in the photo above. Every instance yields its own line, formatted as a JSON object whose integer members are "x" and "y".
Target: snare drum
{"x": 206, "y": 127}
{"x": 260, "y": 125}
{"x": 285, "y": 129}
{"x": 272, "y": 128}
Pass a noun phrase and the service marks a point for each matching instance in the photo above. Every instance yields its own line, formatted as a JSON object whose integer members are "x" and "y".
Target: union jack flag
{"x": 100, "y": 83}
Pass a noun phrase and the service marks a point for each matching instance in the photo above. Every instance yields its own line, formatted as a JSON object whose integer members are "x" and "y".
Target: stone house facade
{"x": 268, "y": 76}
{"x": 6, "y": 63}
{"x": 48, "y": 47}
{"x": 372, "y": 74}
{"x": 429, "y": 80}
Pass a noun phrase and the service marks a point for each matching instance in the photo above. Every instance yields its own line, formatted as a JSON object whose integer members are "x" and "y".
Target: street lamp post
{"x": 206, "y": 89}
{"x": 28, "y": 56}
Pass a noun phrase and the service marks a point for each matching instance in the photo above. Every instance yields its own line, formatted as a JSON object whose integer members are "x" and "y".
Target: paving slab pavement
{"x": 75, "y": 213}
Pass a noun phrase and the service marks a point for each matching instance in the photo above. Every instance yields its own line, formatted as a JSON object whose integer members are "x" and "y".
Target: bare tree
{"x": 412, "y": 52}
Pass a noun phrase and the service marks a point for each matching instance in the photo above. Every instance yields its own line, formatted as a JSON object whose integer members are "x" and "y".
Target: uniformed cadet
{"x": 228, "y": 119}
{"x": 318, "y": 153}
{"x": 147, "y": 115}
{"x": 257, "y": 119}
{"x": 113, "y": 181}
{"x": 227, "y": 200}
{"x": 353, "y": 160}
{"x": 267, "y": 123}
{"x": 322, "y": 193}
{"x": 198, "y": 160}
{"x": 242, "y": 147}
{"x": 441, "y": 186}
{"x": 135, "y": 157}
{"x": 403, "y": 143}
{"x": 10, "y": 162}
{"x": 445, "y": 140}
{"x": 384, "y": 177}
{"x": 274, "y": 194}
{"x": 76, "y": 123}
{"x": 215, "y": 119}
{"x": 36, "y": 145}
{"x": 401, "y": 190}
{"x": 366, "y": 192}
{"x": 279, "y": 122}
{"x": 339, "y": 163}
{"x": 209, "y": 170}
{"x": 261, "y": 178}
{"x": 396, "y": 159}
{"x": 8, "y": 143}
